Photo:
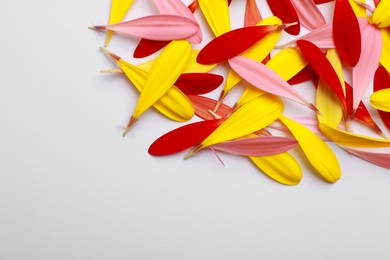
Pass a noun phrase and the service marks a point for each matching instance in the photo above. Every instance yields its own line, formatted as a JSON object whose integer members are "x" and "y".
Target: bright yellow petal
{"x": 326, "y": 100}
{"x": 381, "y": 15}
{"x": 281, "y": 167}
{"x": 385, "y": 55}
{"x": 257, "y": 52}
{"x": 163, "y": 74}
{"x": 119, "y": 9}
{"x": 317, "y": 151}
{"x": 251, "y": 117}
{"x": 355, "y": 140}
{"x": 216, "y": 13}
{"x": 359, "y": 10}
{"x": 287, "y": 63}
{"x": 381, "y": 99}
{"x": 191, "y": 66}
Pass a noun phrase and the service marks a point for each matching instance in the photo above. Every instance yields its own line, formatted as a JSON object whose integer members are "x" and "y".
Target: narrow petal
{"x": 309, "y": 14}
{"x": 371, "y": 155}
{"x": 198, "y": 83}
{"x": 364, "y": 71}
{"x": 316, "y": 151}
{"x": 203, "y": 105}
{"x": 382, "y": 81}
{"x": 155, "y": 27}
{"x": 307, "y": 73}
{"x": 385, "y": 55}
{"x": 281, "y": 167}
{"x": 264, "y": 78}
{"x": 346, "y": 33}
{"x": 217, "y": 16}
{"x": 381, "y": 15}
{"x": 380, "y": 100}
{"x": 252, "y": 13}
{"x": 118, "y": 10}
{"x": 183, "y": 137}
{"x": 257, "y": 146}
{"x": 147, "y": 47}
{"x": 233, "y": 43}
{"x": 286, "y": 12}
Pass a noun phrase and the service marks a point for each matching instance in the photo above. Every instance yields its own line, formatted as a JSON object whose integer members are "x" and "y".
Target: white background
{"x": 72, "y": 188}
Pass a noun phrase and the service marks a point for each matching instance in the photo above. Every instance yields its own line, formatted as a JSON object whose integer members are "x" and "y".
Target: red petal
{"x": 202, "y": 105}
{"x": 147, "y": 47}
{"x": 304, "y": 75}
{"x": 286, "y": 12}
{"x": 377, "y": 2}
{"x": 346, "y": 33}
{"x": 232, "y": 43}
{"x": 324, "y": 69}
{"x": 183, "y": 137}
{"x": 322, "y": 1}
{"x": 198, "y": 83}
{"x": 382, "y": 81}
{"x": 193, "y": 6}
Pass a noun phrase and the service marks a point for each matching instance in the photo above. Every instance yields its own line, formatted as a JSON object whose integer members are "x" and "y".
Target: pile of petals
{"x": 355, "y": 45}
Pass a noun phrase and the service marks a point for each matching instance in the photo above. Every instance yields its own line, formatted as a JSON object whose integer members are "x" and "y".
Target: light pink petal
{"x": 265, "y": 79}
{"x": 177, "y": 7}
{"x": 309, "y": 14}
{"x": 365, "y": 69}
{"x": 378, "y": 157}
{"x": 257, "y": 146}
{"x": 155, "y": 27}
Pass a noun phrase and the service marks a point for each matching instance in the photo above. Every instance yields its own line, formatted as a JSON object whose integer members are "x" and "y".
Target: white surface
{"x": 72, "y": 188}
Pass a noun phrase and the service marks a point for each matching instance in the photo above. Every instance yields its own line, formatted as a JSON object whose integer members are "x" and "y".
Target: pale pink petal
{"x": 309, "y": 14}
{"x": 375, "y": 156}
{"x": 257, "y": 146}
{"x": 365, "y": 69}
{"x": 177, "y": 7}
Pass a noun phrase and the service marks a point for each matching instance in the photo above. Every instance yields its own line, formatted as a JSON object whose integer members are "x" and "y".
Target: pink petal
{"x": 375, "y": 156}
{"x": 202, "y": 105}
{"x": 257, "y": 146}
{"x": 365, "y": 69}
{"x": 177, "y": 7}
{"x": 309, "y": 14}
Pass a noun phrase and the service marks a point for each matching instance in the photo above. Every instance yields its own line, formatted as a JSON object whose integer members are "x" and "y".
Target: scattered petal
{"x": 309, "y": 14}
{"x": 198, "y": 83}
{"x": 203, "y": 106}
{"x": 381, "y": 15}
{"x": 217, "y": 16}
{"x": 286, "y": 12}
{"x": 252, "y": 13}
{"x": 382, "y": 81}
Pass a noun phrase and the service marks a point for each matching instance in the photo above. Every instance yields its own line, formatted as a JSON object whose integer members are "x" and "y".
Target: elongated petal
{"x": 379, "y": 158}
{"x": 380, "y": 100}
{"x": 164, "y": 73}
{"x": 309, "y": 15}
{"x": 385, "y": 55}
{"x": 346, "y": 33}
{"x": 183, "y": 137}
{"x": 174, "y": 104}
{"x": 359, "y": 10}
{"x": 233, "y": 43}
{"x": 324, "y": 69}
{"x": 217, "y": 16}
{"x": 363, "y": 115}
{"x": 381, "y": 15}
{"x": 155, "y": 27}
{"x": 286, "y": 12}
{"x": 350, "y": 139}
{"x": 203, "y": 105}
{"x": 382, "y": 81}
{"x": 177, "y": 7}
{"x": 364, "y": 71}
{"x": 198, "y": 83}
{"x": 147, "y": 47}
{"x": 118, "y": 10}
{"x": 307, "y": 73}
{"x": 281, "y": 167}
{"x": 262, "y": 77}
{"x": 258, "y": 52}
{"x": 191, "y": 67}
{"x": 316, "y": 151}
{"x": 318, "y": 2}
{"x": 252, "y": 13}
{"x": 257, "y": 146}
{"x": 250, "y": 117}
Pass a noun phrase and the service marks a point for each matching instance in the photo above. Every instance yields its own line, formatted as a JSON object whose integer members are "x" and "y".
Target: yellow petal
{"x": 216, "y": 13}
{"x": 346, "y": 138}
{"x": 381, "y": 99}
{"x": 381, "y": 15}
{"x": 281, "y": 167}
{"x": 359, "y": 10}
{"x": 287, "y": 63}
{"x": 326, "y": 100}
{"x": 119, "y": 9}
{"x": 250, "y": 117}
{"x": 385, "y": 56}
{"x": 257, "y": 52}
{"x": 317, "y": 151}
{"x": 163, "y": 74}
{"x": 191, "y": 66}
